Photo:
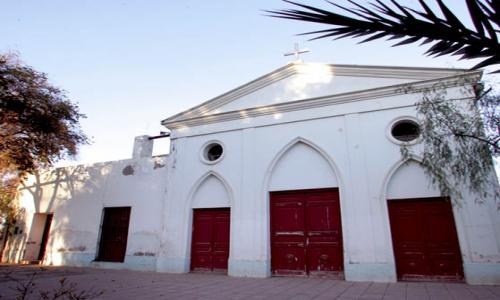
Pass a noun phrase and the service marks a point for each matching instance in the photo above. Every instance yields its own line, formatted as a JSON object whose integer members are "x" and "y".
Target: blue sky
{"x": 130, "y": 64}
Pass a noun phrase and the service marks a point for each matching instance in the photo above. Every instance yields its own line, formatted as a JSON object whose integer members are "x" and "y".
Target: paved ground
{"x": 150, "y": 285}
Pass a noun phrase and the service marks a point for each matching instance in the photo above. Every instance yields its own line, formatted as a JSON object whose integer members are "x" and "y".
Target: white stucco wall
{"x": 77, "y": 195}
{"x": 345, "y": 146}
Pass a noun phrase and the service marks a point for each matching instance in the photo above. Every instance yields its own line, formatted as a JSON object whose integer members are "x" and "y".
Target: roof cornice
{"x": 412, "y": 73}
{"x": 368, "y": 94}
{"x": 274, "y": 76}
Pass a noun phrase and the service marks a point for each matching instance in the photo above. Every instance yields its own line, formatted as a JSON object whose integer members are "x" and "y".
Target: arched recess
{"x": 301, "y": 165}
{"x": 210, "y": 191}
{"x": 418, "y": 208}
{"x": 407, "y": 179}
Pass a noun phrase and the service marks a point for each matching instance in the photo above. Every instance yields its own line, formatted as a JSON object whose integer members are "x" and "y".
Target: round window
{"x": 405, "y": 130}
{"x": 212, "y": 152}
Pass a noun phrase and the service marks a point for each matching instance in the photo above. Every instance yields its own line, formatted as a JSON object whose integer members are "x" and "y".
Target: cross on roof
{"x": 297, "y": 51}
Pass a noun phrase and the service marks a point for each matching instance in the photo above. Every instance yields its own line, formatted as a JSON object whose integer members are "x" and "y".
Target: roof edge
{"x": 360, "y": 95}
{"x": 415, "y": 73}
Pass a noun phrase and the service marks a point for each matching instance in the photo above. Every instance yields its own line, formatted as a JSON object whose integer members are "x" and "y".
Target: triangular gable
{"x": 299, "y": 81}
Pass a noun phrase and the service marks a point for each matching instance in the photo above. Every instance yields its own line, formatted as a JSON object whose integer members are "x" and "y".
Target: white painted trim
{"x": 390, "y": 137}
{"x": 369, "y": 94}
{"x": 200, "y": 180}
{"x": 376, "y": 71}
{"x": 203, "y": 152}
{"x": 297, "y": 68}
{"x": 203, "y": 108}
{"x": 392, "y": 170}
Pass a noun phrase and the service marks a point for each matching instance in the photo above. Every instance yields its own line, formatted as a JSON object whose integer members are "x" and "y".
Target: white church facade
{"x": 297, "y": 173}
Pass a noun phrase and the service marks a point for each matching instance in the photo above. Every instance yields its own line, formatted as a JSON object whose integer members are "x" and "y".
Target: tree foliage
{"x": 448, "y": 35}
{"x": 459, "y": 136}
{"x": 38, "y": 125}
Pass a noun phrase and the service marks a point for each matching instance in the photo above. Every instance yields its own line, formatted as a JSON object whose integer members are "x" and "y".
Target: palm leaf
{"x": 448, "y": 35}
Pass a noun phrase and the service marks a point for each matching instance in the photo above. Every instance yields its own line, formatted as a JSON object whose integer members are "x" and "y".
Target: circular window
{"x": 212, "y": 152}
{"x": 405, "y": 130}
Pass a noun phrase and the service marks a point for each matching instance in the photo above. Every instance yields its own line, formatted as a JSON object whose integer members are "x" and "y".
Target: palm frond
{"x": 393, "y": 21}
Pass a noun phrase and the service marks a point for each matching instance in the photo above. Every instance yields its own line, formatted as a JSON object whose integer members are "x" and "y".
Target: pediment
{"x": 299, "y": 81}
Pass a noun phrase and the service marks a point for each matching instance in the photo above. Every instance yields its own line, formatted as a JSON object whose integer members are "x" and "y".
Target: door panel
{"x": 306, "y": 235}
{"x": 210, "y": 239}
{"x": 288, "y": 234}
{"x": 407, "y": 237}
{"x": 425, "y": 240}
{"x": 221, "y": 240}
{"x": 114, "y": 233}
{"x": 202, "y": 240}
{"x": 324, "y": 238}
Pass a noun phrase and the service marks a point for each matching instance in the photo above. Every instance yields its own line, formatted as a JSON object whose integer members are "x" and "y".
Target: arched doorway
{"x": 210, "y": 241}
{"x": 423, "y": 230}
{"x": 305, "y": 218}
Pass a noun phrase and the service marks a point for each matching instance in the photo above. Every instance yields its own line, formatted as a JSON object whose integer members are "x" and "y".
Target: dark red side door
{"x": 425, "y": 239}
{"x": 306, "y": 233}
{"x": 210, "y": 240}
{"x": 114, "y": 233}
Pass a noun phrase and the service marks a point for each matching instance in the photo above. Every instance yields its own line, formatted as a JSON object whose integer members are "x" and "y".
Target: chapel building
{"x": 296, "y": 173}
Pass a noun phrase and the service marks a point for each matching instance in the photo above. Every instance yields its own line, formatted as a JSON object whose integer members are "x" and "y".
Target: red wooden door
{"x": 306, "y": 233}
{"x": 288, "y": 241}
{"x": 210, "y": 240}
{"x": 425, "y": 239}
{"x": 114, "y": 232}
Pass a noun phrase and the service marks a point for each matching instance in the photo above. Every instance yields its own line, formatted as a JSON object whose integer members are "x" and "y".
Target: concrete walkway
{"x": 151, "y": 285}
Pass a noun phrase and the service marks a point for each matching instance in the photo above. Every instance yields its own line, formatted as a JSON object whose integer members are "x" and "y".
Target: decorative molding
{"x": 392, "y": 139}
{"x": 279, "y": 155}
{"x": 369, "y": 94}
{"x": 204, "y": 149}
{"x": 298, "y": 68}
{"x": 392, "y": 170}
{"x": 254, "y": 85}
{"x": 395, "y": 72}
{"x": 201, "y": 179}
